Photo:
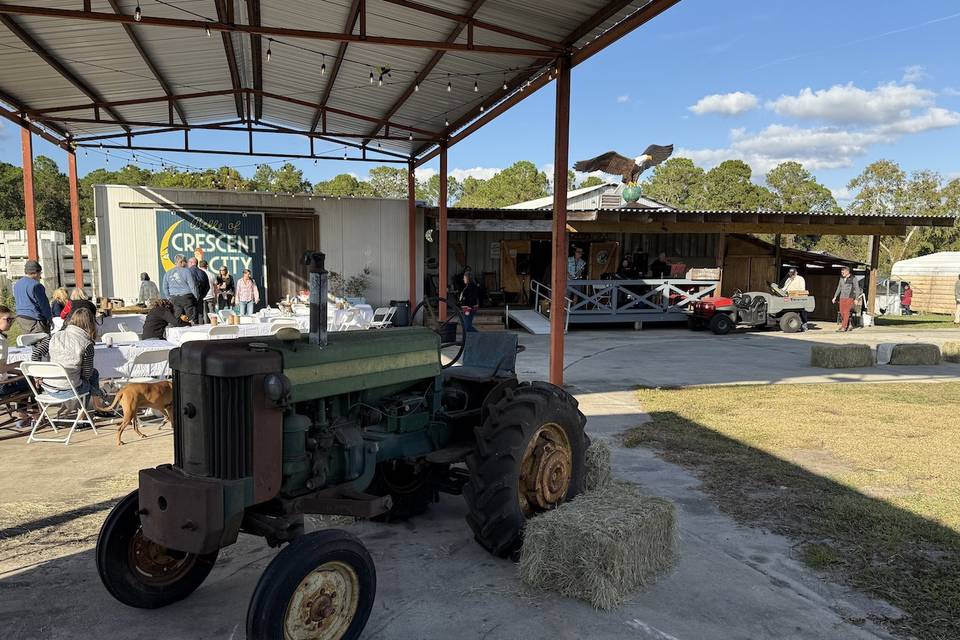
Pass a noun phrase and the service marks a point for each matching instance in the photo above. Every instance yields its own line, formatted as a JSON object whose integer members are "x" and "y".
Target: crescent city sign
{"x": 231, "y": 240}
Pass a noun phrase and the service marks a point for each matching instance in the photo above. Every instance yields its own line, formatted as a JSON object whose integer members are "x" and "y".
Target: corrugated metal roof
{"x": 103, "y": 57}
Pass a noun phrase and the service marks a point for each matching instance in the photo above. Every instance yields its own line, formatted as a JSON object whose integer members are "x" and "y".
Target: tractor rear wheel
{"x": 320, "y": 587}
{"x": 790, "y": 322}
{"x": 529, "y": 459}
{"x": 141, "y": 573}
{"x": 721, "y": 324}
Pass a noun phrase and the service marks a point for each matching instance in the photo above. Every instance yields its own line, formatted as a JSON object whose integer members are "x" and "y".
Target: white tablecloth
{"x": 112, "y": 362}
{"x": 132, "y": 321}
{"x": 252, "y": 326}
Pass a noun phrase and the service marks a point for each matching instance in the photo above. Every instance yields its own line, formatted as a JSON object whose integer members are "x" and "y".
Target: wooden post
{"x": 558, "y": 307}
{"x": 721, "y": 256}
{"x": 872, "y": 281}
{"x": 442, "y": 232}
{"x": 412, "y": 234}
{"x": 26, "y": 140}
{"x": 777, "y": 261}
{"x": 75, "y": 220}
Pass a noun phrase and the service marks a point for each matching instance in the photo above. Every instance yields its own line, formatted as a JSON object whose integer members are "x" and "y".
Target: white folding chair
{"x": 383, "y": 317}
{"x": 282, "y": 323}
{"x": 146, "y": 359}
{"x": 119, "y": 337}
{"x": 46, "y": 401}
{"x": 123, "y": 327}
{"x": 27, "y": 339}
{"x": 353, "y": 321}
{"x": 224, "y": 331}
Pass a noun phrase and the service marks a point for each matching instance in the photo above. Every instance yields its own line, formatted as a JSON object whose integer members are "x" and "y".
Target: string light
{"x": 481, "y": 108}
{"x": 371, "y": 76}
{"x": 504, "y": 80}
{"x": 416, "y": 86}
{"x": 137, "y": 13}
{"x": 446, "y": 120}
{"x": 380, "y": 81}
{"x": 314, "y": 161}
{"x": 449, "y": 84}
{"x": 323, "y": 67}
{"x": 344, "y": 155}
{"x": 476, "y": 86}
{"x": 410, "y": 137}
{"x": 269, "y": 52}
{"x": 206, "y": 30}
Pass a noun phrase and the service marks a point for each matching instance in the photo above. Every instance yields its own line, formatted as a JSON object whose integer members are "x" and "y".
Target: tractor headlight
{"x": 276, "y": 387}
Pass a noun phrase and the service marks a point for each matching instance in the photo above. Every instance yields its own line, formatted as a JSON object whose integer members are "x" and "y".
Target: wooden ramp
{"x": 530, "y": 320}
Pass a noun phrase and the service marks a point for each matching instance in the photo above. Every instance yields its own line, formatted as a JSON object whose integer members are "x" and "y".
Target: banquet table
{"x": 261, "y": 324}
{"x": 113, "y": 362}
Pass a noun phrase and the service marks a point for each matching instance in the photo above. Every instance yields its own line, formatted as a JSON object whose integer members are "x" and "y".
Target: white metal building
{"x": 133, "y": 230}
{"x": 932, "y": 278}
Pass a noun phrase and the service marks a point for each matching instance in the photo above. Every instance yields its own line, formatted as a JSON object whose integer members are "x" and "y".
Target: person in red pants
{"x": 848, "y": 290}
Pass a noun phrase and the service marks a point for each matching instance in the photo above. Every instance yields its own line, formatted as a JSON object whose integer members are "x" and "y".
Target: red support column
{"x": 26, "y": 140}
{"x": 412, "y": 233}
{"x": 75, "y": 220}
{"x": 442, "y": 231}
{"x": 558, "y": 306}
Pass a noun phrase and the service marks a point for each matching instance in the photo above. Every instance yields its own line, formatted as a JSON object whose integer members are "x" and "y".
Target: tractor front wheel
{"x": 320, "y": 587}
{"x": 721, "y": 324}
{"x": 141, "y": 573}
{"x": 529, "y": 459}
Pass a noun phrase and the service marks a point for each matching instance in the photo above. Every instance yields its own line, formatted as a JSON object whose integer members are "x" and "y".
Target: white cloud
{"x": 623, "y": 99}
{"x": 848, "y": 104}
{"x": 482, "y": 173}
{"x": 425, "y": 173}
{"x": 727, "y": 104}
{"x": 842, "y": 195}
{"x": 951, "y": 91}
{"x": 914, "y": 73}
{"x": 932, "y": 118}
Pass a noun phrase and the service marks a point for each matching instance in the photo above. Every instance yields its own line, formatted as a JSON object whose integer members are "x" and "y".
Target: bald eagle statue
{"x": 613, "y": 162}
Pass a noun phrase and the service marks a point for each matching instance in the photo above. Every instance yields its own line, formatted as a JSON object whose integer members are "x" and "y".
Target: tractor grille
{"x": 218, "y": 441}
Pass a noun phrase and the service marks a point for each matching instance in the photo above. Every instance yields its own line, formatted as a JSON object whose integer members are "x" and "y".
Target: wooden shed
{"x": 932, "y": 278}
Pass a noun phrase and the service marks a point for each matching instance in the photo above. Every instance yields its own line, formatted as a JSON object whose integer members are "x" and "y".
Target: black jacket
{"x": 470, "y": 296}
{"x": 156, "y": 322}
{"x": 203, "y": 282}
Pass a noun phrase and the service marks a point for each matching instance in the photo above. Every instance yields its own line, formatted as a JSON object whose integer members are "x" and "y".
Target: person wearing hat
{"x": 795, "y": 284}
{"x": 33, "y": 306}
{"x": 148, "y": 290}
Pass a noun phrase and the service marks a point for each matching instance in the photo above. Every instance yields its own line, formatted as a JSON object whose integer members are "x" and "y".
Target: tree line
{"x": 882, "y": 187}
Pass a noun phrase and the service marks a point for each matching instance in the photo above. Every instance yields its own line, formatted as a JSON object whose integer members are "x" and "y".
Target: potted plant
{"x": 356, "y": 286}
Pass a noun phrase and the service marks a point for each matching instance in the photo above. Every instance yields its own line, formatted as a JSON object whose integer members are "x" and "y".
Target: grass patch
{"x": 865, "y": 477}
{"x": 917, "y": 321}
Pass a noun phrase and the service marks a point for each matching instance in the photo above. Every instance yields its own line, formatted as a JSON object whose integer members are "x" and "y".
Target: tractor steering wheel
{"x": 446, "y": 329}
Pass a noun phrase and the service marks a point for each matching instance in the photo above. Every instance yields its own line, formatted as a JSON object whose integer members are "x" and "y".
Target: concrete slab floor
{"x": 434, "y": 582}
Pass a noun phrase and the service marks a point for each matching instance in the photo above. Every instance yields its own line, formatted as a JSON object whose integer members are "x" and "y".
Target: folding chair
{"x": 27, "y": 339}
{"x": 123, "y": 327}
{"x": 14, "y": 401}
{"x": 119, "y": 337}
{"x": 282, "y": 323}
{"x": 353, "y": 321}
{"x": 383, "y": 317}
{"x": 146, "y": 358}
{"x": 224, "y": 331}
{"x": 46, "y": 401}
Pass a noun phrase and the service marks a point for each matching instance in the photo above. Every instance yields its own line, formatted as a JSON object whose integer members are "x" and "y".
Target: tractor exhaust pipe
{"x": 318, "y": 297}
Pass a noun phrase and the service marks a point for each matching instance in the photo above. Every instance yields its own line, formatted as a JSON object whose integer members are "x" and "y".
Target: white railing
{"x": 633, "y": 297}
{"x": 541, "y": 293}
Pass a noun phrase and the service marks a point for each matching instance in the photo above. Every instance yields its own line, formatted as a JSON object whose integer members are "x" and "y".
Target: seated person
{"x": 161, "y": 316}
{"x": 72, "y": 347}
{"x": 660, "y": 268}
{"x": 8, "y": 388}
{"x": 59, "y": 301}
{"x": 78, "y": 300}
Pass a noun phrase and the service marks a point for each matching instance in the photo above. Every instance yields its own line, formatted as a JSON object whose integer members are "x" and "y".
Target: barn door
{"x": 288, "y": 238}
{"x": 514, "y": 265}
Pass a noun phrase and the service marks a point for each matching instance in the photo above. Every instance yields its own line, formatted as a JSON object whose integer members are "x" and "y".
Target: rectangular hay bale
{"x": 841, "y": 356}
{"x": 597, "y": 473}
{"x": 601, "y": 546}
{"x": 951, "y": 351}
{"x": 918, "y": 353}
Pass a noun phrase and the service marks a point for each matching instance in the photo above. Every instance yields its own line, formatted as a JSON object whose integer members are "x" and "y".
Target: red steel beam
{"x": 442, "y": 232}
{"x": 561, "y": 160}
{"x": 26, "y": 124}
{"x": 276, "y": 32}
{"x": 352, "y": 17}
{"x": 134, "y": 101}
{"x": 412, "y": 238}
{"x": 468, "y": 19}
{"x": 256, "y": 55}
{"x": 225, "y": 15}
{"x": 162, "y": 81}
{"x": 52, "y": 61}
{"x": 223, "y": 152}
{"x": 75, "y": 220}
{"x": 29, "y": 212}
{"x": 434, "y": 60}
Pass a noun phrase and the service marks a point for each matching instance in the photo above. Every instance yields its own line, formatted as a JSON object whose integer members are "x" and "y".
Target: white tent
{"x": 932, "y": 278}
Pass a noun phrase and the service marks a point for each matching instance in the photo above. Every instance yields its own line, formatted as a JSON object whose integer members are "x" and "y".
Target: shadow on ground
{"x": 909, "y": 561}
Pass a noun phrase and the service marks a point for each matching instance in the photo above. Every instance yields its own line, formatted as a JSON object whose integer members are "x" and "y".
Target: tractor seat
{"x": 486, "y": 355}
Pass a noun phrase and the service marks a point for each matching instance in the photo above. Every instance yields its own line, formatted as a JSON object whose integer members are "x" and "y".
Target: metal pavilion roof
{"x": 109, "y": 71}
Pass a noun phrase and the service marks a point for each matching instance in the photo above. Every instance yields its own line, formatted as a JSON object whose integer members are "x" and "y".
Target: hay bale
{"x": 597, "y": 466}
{"x": 917, "y": 353}
{"x": 601, "y": 546}
{"x": 951, "y": 351}
{"x": 841, "y": 356}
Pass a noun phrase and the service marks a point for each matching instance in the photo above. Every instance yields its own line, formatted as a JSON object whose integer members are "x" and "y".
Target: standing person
{"x": 956, "y": 297}
{"x": 906, "y": 299}
{"x": 180, "y": 288}
{"x": 796, "y": 284}
{"x": 576, "y": 265}
{"x": 848, "y": 290}
{"x": 225, "y": 289}
{"x": 660, "y": 268}
{"x": 59, "y": 301}
{"x": 469, "y": 301}
{"x": 148, "y": 290}
{"x": 33, "y": 307}
{"x": 161, "y": 316}
{"x": 210, "y": 299}
{"x": 203, "y": 287}
{"x": 72, "y": 347}
{"x": 248, "y": 296}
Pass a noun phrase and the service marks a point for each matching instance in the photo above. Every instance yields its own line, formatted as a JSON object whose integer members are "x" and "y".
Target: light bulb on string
{"x": 314, "y": 161}
{"x": 380, "y": 81}
{"x": 206, "y": 30}
{"x": 410, "y": 137}
{"x": 344, "y": 155}
{"x": 476, "y": 86}
{"x": 449, "y": 84}
{"x": 416, "y": 86}
{"x": 481, "y": 108}
{"x": 138, "y": 13}
{"x": 504, "y": 81}
{"x": 269, "y": 52}
{"x": 446, "y": 120}
{"x": 323, "y": 66}
{"x": 371, "y": 76}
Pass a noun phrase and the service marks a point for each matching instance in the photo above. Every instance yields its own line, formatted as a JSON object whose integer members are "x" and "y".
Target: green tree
{"x": 728, "y": 186}
{"x": 51, "y": 195}
{"x": 795, "y": 189}
{"x": 343, "y": 185}
{"x": 677, "y": 183}
{"x": 517, "y": 183}
{"x": 11, "y": 196}
{"x": 429, "y": 190}
{"x": 388, "y": 182}
{"x": 591, "y": 181}
{"x": 880, "y": 188}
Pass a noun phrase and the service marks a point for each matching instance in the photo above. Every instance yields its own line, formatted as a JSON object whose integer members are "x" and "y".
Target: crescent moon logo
{"x": 165, "y": 247}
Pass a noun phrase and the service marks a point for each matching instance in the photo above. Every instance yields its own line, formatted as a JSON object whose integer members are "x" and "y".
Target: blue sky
{"x": 835, "y": 85}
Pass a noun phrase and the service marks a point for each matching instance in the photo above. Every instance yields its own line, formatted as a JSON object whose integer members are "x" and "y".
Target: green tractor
{"x": 370, "y": 424}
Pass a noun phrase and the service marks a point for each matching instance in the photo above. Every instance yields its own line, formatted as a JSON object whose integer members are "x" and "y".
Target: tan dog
{"x": 143, "y": 395}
